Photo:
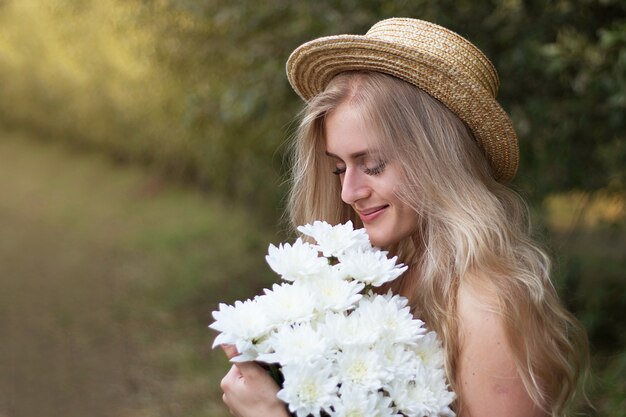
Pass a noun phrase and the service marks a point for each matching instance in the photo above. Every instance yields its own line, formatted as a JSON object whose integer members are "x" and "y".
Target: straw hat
{"x": 435, "y": 59}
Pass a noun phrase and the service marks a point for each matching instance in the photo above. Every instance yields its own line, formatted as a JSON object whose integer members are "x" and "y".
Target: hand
{"x": 249, "y": 391}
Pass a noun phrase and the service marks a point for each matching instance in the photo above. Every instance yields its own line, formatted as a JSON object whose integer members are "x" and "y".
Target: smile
{"x": 371, "y": 214}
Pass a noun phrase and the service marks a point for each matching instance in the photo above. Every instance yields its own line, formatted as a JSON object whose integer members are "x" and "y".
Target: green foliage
{"x": 562, "y": 66}
{"x": 199, "y": 86}
{"x": 587, "y": 233}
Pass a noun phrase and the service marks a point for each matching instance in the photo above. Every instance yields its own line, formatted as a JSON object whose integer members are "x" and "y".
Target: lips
{"x": 372, "y": 213}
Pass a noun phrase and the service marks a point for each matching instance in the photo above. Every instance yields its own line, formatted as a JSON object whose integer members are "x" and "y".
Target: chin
{"x": 386, "y": 240}
{"x": 377, "y": 241}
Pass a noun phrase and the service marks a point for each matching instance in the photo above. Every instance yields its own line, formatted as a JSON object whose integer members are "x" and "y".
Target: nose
{"x": 354, "y": 186}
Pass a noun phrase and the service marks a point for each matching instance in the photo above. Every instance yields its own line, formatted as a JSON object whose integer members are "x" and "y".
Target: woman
{"x": 402, "y": 135}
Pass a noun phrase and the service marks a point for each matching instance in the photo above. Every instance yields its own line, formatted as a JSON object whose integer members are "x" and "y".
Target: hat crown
{"x": 457, "y": 56}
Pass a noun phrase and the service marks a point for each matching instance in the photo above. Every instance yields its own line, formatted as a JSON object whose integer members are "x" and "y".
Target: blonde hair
{"x": 472, "y": 230}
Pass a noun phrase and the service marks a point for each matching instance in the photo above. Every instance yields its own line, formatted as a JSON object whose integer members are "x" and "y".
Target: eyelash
{"x": 378, "y": 169}
{"x": 368, "y": 171}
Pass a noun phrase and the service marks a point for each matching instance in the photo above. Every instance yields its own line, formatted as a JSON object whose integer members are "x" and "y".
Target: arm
{"x": 487, "y": 378}
{"x": 249, "y": 391}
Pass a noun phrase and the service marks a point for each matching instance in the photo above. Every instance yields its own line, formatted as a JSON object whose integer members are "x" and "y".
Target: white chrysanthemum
{"x": 298, "y": 261}
{"x": 361, "y": 366}
{"x": 425, "y": 395}
{"x": 384, "y": 406}
{"x": 397, "y": 359}
{"x": 345, "y": 331}
{"x": 336, "y": 240}
{"x": 286, "y": 304}
{"x": 400, "y": 301}
{"x": 298, "y": 343}
{"x": 309, "y": 388}
{"x": 429, "y": 350}
{"x": 371, "y": 267}
{"x": 334, "y": 294}
{"x": 356, "y": 401}
{"x": 241, "y": 325}
{"x": 343, "y": 354}
{"x": 387, "y": 317}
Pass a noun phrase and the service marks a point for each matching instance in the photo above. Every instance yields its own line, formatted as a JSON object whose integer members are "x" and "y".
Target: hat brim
{"x": 311, "y": 67}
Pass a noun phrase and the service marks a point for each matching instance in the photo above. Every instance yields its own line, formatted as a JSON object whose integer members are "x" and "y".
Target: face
{"x": 368, "y": 184}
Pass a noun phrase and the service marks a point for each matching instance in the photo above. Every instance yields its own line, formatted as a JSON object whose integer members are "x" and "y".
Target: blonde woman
{"x": 402, "y": 135}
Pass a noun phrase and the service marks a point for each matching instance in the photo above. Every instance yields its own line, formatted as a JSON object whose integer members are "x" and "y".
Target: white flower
{"x": 425, "y": 395}
{"x": 300, "y": 261}
{"x": 345, "y": 331}
{"x": 287, "y": 304}
{"x": 342, "y": 353}
{"x": 241, "y": 325}
{"x": 309, "y": 388}
{"x": 335, "y": 294}
{"x": 297, "y": 343}
{"x": 397, "y": 359}
{"x": 336, "y": 240}
{"x": 361, "y": 366}
{"x": 429, "y": 351}
{"x": 370, "y": 267}
{"x": 356, "y": 402}
{"x": 387, "y": 317}
{"x": 384, "y": 407}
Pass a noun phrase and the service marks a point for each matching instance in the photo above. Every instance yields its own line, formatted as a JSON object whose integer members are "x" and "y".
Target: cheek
{"x": 407, "y": 218}
{"x": 410, "y": 224}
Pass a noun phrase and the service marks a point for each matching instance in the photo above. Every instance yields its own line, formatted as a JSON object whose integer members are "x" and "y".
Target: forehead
{"x": 346, "y": 132}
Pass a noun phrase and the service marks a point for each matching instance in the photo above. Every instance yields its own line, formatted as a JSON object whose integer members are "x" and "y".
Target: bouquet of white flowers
{"x": 341, "y": 349}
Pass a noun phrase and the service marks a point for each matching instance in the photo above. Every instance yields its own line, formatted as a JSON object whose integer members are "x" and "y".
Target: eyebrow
{"x": 354, "y": 155}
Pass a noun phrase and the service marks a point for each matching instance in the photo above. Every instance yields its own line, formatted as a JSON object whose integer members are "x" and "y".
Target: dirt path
{"x": 64, "y": 351}
{"x": 65, "y": 347}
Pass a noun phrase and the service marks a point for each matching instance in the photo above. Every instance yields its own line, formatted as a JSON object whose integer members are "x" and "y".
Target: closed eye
{"x": 366, "y": 162}
{"x": 375, "y": 170}
{"x": 378, "y": 169}
{"x": 339, "y": 171}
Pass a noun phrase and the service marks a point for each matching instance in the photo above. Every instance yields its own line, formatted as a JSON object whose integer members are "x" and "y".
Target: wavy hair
{"x": 471, "y": 231}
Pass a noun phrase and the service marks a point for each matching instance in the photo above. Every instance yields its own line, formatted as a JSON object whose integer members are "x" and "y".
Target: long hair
{"x": 471, "y": 230}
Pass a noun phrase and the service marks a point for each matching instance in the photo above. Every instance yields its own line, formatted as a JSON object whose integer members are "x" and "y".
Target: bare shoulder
{"x": 487, "y": 377}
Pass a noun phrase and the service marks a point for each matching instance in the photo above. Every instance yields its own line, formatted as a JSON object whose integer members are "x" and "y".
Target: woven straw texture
{"x": 431, "y": 57}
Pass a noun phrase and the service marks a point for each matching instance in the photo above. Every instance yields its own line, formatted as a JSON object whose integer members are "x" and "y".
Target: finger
{"x": 230, "y": 351}
{"x": 249, "y": 369}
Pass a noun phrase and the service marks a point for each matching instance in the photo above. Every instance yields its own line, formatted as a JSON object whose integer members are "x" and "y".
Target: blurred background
{"x": 142, "y": 169}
